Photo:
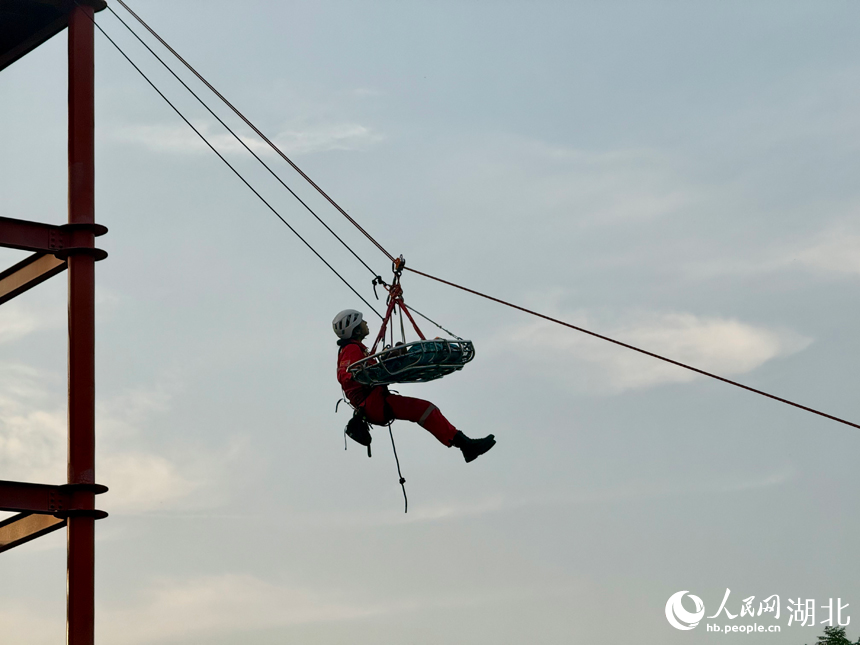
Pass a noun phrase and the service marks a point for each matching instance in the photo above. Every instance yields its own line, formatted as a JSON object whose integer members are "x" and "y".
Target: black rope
{"x": 241, "y": 142}
{"x": 399, "y": 475}
{"x": 255, "y": 129}
{"x": 637, "y": 349}
{"x": 230, "y": 166}
{"x": 450, "y": 333}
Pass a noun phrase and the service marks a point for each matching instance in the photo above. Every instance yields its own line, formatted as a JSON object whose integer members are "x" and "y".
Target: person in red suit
{"x": 381, "y": 406}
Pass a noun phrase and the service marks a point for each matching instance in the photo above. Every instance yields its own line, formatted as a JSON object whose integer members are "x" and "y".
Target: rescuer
{"x": 380, "y": 406}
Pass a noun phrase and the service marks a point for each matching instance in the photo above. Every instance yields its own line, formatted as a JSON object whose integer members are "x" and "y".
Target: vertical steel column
{"x": 81, "y": 552}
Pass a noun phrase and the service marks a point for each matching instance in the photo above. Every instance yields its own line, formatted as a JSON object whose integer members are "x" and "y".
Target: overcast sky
{"x": 681, "y": 176}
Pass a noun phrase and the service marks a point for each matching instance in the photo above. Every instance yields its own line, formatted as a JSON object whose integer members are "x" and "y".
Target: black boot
{"x": 472, "y": 448}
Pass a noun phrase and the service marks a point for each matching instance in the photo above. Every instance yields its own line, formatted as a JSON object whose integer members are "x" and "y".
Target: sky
{"x": 679, "y": 176}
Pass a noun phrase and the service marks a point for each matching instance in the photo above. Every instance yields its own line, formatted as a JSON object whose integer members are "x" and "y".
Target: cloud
{"x": 367, "y": 92}
{"x": 430, "y": 512}
{"x": 723, "y": 346}
{"x": 141, "y": 481}
{"x": 33, "y": 438}
{"x": 175, "y": 609}
{"x": 586, "y": 493}
{"x": 191, "y": 609}
{"x": 180, "y": 139}
{"x": 32, "y": 427}
{"x": 21, "y": 623}
{"x": 346, "y": 136}
{"x": 835, "y": 250}
{"x": 608, "y": 187}
{"x": 724, "y": 483}
{"x": 516, "y": 176}
{"x": 17, "y": 321}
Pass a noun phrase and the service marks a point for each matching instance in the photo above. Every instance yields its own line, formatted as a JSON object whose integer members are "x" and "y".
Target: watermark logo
{"x": 680, "y": 618}
{"x": 800, "y": 612}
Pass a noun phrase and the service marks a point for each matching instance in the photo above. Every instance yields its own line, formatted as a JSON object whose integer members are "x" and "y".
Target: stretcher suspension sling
{"x": 414, "y": 362}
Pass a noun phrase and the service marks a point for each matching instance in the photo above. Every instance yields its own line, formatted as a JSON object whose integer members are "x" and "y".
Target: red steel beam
{"x": 81, "y": 551}
{"x": 32, "y": 498}
{"x": 24, "y": 527}
{"x": 62, "y": 501}
{"x": 28, "y": 273}
{"x": 30, "y": 236}
{"x": 49, "y": 238}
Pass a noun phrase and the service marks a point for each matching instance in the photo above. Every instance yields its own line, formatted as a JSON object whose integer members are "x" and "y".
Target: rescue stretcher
{"x": 415, "y": 362}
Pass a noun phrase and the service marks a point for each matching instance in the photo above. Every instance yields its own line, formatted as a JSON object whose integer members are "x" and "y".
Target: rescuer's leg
{"x": 473, "y": 448}
{"x": 424, "y": 414}
{"x": 381, "y": 407}
{"x": 430, "y": 418}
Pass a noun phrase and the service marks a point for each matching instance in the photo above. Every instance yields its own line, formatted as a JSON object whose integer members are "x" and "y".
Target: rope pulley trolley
{"x": 413, "y": 362}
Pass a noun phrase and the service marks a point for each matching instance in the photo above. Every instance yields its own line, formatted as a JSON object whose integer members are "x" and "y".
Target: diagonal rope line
{"x": 433, "y": 322}
{"x": 255, "y": 129}
{"x": 636, "y": 349}
{"x": 452, "y": 284}
{"x": 230, "y": 166}
{"x": 239, "y": 139}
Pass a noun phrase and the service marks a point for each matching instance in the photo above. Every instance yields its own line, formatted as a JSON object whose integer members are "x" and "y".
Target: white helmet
{"x": 346, "y": 322}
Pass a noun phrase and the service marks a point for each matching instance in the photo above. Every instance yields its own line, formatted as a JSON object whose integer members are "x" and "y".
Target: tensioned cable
{"x": 472, "y": 291}
{"x": 415, "y": 311}
{"x": 241, "y": 142}
{"x": 230, "y": 166}
{"x": 634, "y": 348}
{"x": 255, "y": 129}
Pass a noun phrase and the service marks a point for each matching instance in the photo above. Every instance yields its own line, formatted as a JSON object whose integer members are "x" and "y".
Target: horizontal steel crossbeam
{"x": 30, "y": 498}
{"x": 62, "y": 501}
{"x": 62, "y": 240}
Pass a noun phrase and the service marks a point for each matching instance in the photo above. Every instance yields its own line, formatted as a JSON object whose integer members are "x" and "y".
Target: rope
{"x": 399, "y": 475}
{"x": 450, "y": 333}
{"x": 390, "y": 257}
{"x": 230, "y": 166}
{"x": 637, "y": 349}
{"x": 239, "y": 139}
{"x": 255, "y": 129}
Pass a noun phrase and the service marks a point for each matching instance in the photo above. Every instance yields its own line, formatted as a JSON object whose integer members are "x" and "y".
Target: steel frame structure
{"x": 42, "y": 508}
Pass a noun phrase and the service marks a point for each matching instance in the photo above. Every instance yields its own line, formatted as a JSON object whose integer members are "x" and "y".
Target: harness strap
{"x": 395, "y": 301}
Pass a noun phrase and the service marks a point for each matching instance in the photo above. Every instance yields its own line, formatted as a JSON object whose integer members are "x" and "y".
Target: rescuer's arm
{"x": 348, "y": 355}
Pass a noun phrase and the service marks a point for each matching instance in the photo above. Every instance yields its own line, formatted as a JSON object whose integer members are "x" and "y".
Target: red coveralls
{"x": 381, "y": 407}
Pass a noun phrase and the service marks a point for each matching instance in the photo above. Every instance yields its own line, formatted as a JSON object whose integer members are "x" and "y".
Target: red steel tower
{"x": 43, "y": 508}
